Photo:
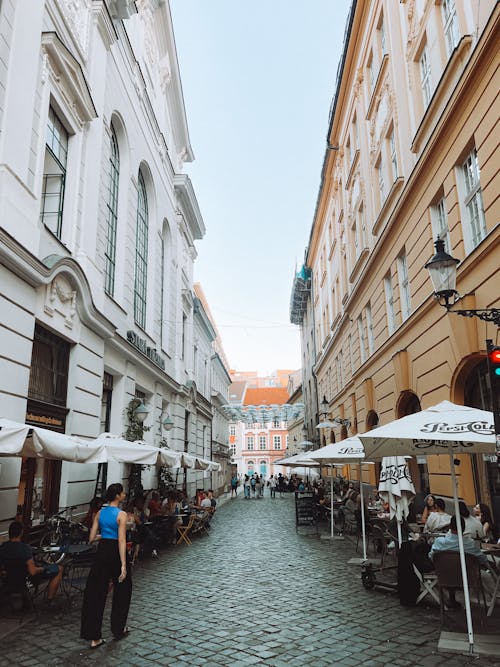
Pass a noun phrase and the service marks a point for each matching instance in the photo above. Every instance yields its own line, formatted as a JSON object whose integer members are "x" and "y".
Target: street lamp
{"x": 141, "y": 412}
{"x": 443, "y": 272}
{"x": 324, "y": 407}
{"x": 167, "y": 423}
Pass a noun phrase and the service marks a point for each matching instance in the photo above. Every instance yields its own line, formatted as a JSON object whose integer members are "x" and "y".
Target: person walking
{"x": 110, "y": 564}
{"x": 262, "y": 484}
{"x": 272, "y": 486}
{"x": 257, "y": 486}
{"x": 253, "y": 484}
{"x": 246, "y": 487}
{"x": 234, "y": 486}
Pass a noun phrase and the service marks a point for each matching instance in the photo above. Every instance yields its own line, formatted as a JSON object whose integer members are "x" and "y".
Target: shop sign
{"x": 142, "y": 345}
{"x": 44, "y": 420}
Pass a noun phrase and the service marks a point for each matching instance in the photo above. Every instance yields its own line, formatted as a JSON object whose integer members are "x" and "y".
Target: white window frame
{"x": 394, "y": 155}
{"x": 362, "y": 339}
{"x": 381, "y": 180}
{"x": 383, "y": 40}
{"x": 277, "y": 442}
{"x": 369, "y": 328}
{"x": 425, "y": 76}
{"x": 262, "y": 442}
{"x": 389, "y": 303}
{"x": 471, "y": 203}
{"x": 404, "y": 286}
{"x": 439, "y": 223}
{"x": 232, "y": 430}
{"x": 250, "y": 443}
{"x": 450, "y": 25}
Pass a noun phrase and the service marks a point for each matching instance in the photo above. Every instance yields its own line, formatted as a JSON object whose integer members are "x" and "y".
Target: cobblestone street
{"x": 252, "y": 593}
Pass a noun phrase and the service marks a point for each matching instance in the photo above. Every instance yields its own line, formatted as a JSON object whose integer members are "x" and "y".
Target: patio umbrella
{"x": 440, "y": 429}
{"x": 396, "y": 488}
{"x": 349, "y": 450}
{"x": 18, "y": 439}
{"x": 300, "y": 462}
{"x": 120, "y": 450}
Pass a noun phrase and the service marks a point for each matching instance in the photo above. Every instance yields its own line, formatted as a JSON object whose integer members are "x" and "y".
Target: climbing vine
{"x": 135, "y": 431}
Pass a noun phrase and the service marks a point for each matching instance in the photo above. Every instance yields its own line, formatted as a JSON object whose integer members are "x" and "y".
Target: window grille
{"x": 48, "y": 380}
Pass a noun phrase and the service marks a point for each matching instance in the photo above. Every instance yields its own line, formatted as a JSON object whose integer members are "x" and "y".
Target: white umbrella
{"x": 120, "y": 450}
{"x": 396, "y": 488}
{"x": 346, "y": 451}
{"x": 297, "y": 461}
{"x": 34, "y": 442}
{"x": 442, "y": 428}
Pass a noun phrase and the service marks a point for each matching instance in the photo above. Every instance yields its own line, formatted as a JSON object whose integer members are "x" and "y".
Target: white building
{"x": 97, "y": 237}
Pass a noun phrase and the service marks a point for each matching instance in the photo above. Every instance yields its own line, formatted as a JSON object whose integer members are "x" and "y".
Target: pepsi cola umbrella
{"x": 444, "y": 428}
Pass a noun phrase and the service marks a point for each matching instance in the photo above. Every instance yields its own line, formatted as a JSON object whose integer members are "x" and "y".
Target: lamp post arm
{"x": 486, "y": 314}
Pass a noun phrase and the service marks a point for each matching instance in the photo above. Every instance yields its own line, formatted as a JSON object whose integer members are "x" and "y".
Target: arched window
{"x": 250, "y": 469}
{"x": 371, "y": 420}
{"x": 263, "y": 468}
{"x": 141, "y": 254}
{"x": 112, "y": 204}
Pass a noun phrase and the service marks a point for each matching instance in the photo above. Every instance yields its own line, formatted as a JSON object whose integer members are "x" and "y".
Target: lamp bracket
{"x": 486, "y": 314}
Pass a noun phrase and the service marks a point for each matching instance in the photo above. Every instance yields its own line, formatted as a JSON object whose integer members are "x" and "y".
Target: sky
{"x": 258, "y": 78}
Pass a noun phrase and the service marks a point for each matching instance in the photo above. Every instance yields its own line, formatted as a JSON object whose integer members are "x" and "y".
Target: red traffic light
{"x": 495, "y": 355}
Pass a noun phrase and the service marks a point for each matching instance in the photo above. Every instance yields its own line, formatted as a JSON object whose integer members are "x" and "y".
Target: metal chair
{"x": 449, "y": 575}
{"x": 428, "y": 582}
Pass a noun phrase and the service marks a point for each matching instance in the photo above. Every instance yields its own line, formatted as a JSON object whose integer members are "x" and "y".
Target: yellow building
{"x": 412, "y": 154}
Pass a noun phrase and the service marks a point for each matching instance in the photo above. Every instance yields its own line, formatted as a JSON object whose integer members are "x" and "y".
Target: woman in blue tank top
{"x": 110, "y": 563}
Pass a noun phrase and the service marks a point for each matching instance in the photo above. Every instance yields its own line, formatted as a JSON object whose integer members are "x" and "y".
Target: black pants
{"x": 106, "y": 568}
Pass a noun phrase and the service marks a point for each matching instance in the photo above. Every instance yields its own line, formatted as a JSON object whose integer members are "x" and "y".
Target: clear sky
{"x": 258, "y": 79}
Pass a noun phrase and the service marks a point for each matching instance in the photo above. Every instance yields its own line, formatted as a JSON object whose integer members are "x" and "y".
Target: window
{"x": 362, "y": 339}
{"x": 48, "y": 380}
{"x": 425, "y": 76}
{"x": 286, "y": 442}
{"x": 250, "y": 442}
{"x": 439, "y": 222}
{"x": 277, "y": 442}
{"x": 276, "y": 424}
{"x": 371, "y": 73}
{"x": 450, "y": 21}
{"x": 183, "y": 338}
{"x": 381, "y": 180}
{"x": 232, "y": 430}
{"x": 355, "y": 133}
{"x": 475, "y": 229}
{"x": 262, "y": 442}
{"x": 112, "y": 205}
{"x": 389, "y": 303}
{"x": 369, "y": 328}
{"x": 404, "y": 287}
{"x": 250, "y": 466}
{"x": 382, "y": 39}
{"x": 232, "y": 449}
{"x": 141, "y": 254}
{"x": 162, "y": 287}
{"x": 394, "y": 157}
{"x": 54, "y": 174}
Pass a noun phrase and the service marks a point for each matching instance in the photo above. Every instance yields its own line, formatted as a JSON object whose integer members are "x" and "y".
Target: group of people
{"x": 478, "y": 525}
{"x": 254, "y": 485}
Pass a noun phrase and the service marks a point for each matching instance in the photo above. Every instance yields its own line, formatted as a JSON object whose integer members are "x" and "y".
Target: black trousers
{"x": 106, "y": 568}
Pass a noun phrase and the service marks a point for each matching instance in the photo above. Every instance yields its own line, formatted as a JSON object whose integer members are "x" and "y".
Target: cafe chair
{"x": 449, "y": 575}
{"x": 428, "y": 582}
{"x": 183, "y": 531}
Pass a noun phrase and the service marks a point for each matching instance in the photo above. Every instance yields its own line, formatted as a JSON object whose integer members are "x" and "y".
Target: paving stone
{"x": 253, "y": 592}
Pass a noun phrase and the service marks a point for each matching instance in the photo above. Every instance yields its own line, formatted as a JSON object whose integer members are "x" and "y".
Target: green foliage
{"x": 134, "y": 431}
{"x": 166, "y": 482}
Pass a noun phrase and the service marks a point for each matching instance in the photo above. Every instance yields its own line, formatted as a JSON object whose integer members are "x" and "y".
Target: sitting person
{"x": 449, "y": 542}
{"x": 483, "y": 513}
{"x": 17, "y": 559}
{"x": 94, "y": 506}
{"x": 473, "y": 527}
{"x": 213, "y": 502}
{"x": 438, "y": 521}
{"x": 154, "y": 505}
{"x": 429, "y": 507}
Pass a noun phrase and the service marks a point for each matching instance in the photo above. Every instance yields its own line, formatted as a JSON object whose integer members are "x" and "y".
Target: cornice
{"x": 189, "y": 205}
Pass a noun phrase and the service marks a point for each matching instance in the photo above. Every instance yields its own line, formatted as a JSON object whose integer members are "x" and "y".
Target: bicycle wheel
{"x": 51, "y": 538}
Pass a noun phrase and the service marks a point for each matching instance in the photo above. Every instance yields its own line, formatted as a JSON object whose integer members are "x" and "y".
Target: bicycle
{"x": 60, "y": 532}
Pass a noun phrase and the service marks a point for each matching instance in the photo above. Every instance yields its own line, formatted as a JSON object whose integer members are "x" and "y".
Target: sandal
{"x": 125, "y": 632}
{"x": 99, "y": 643}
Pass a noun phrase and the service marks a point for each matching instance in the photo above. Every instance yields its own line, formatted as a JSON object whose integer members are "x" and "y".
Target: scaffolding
{"x": 301, "y": 291}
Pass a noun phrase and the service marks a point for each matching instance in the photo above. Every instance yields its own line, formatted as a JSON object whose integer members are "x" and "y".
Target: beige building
{"x": 412, "y": 154}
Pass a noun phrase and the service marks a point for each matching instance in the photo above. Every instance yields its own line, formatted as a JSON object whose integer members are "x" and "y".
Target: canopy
{"x": 396, "y": 487}
{"x": 23, "y": 440}
{"x": 440, "y": 429}
{"x": 116, "y": 448}
{"x": 434, "y": 431}
{"x": 297, "y": 461}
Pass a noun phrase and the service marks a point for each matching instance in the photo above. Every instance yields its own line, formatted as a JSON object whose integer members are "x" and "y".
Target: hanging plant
{"x": 135, "y": 431}
{"x": 166, "y": 482}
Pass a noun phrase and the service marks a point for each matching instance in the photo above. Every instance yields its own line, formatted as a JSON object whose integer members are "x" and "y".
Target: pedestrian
{"x": 262, "y": 484}
{"x": 246, "y": 486}
{"x": 253, "y": 484}
{"x": 110, "y": 564}
{"x": 258, "y": 486}
{"x": 272, "y": 486}
{"x": 234, "y": 486}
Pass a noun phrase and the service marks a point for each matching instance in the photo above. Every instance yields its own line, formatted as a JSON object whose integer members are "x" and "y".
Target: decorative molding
{"x": 60, "y": 299}
{"x": 122, "y": 9}
{"x": 376, "y": 93}
{"x": 68, "y": 78}
{"x": 104, "y": 22}
{"x": 388, "y": 204}
{"x": 360, "y": 260}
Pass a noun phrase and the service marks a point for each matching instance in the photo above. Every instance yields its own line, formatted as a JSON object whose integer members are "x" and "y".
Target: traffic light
{"x": 494, "y": 366}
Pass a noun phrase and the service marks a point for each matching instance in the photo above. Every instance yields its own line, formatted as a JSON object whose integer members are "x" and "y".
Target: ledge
{"x": 396, "y": 187}
{"x": 378, "y": 84}
{"x": 358, "y": 264}
{"x": 431, "y": 112}
{"x": 332, "y": 247}
{"x": 354, "y": 162}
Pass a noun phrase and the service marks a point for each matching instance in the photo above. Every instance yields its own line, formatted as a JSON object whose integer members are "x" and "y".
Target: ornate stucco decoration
{"x": 77, "y": 14}
{"x": 60, "y": 299}
{"x": 358, "y": 83}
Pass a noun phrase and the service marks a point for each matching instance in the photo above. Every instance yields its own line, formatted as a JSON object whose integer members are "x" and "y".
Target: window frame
{"x": 424, "y": 69}
{"x": 112, "y": 215}
{"x": 141, "y": 254}
{"x": 389, "y": 303}
{"x": 404, "y": 286}
{"x": 472, "y": 196}
{"x": 58, "y": 152}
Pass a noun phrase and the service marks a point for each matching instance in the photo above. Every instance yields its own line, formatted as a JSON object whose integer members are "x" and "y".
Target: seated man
{"x": 449, "y": 542}
{"x": 17, "y": 559}
{"x": 438, "y": 520}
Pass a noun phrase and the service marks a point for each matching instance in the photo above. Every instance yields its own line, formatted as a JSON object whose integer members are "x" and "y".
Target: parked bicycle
{"x": 61, "y": 531}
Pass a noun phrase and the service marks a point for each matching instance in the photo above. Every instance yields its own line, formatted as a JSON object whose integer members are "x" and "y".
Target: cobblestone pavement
{"x": 253, "y": 592}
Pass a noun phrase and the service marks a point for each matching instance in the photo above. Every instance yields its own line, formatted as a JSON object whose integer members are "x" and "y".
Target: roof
{"x": 236, "y": 391}
{"x": 266, "y": 396}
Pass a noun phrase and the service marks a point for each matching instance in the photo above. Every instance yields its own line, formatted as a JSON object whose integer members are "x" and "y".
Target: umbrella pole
{"x": 400, "y": 537}
{"x": 331, "y": 500}
{"x": 362, "y": 510}
{"x": 462, "y": 554}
